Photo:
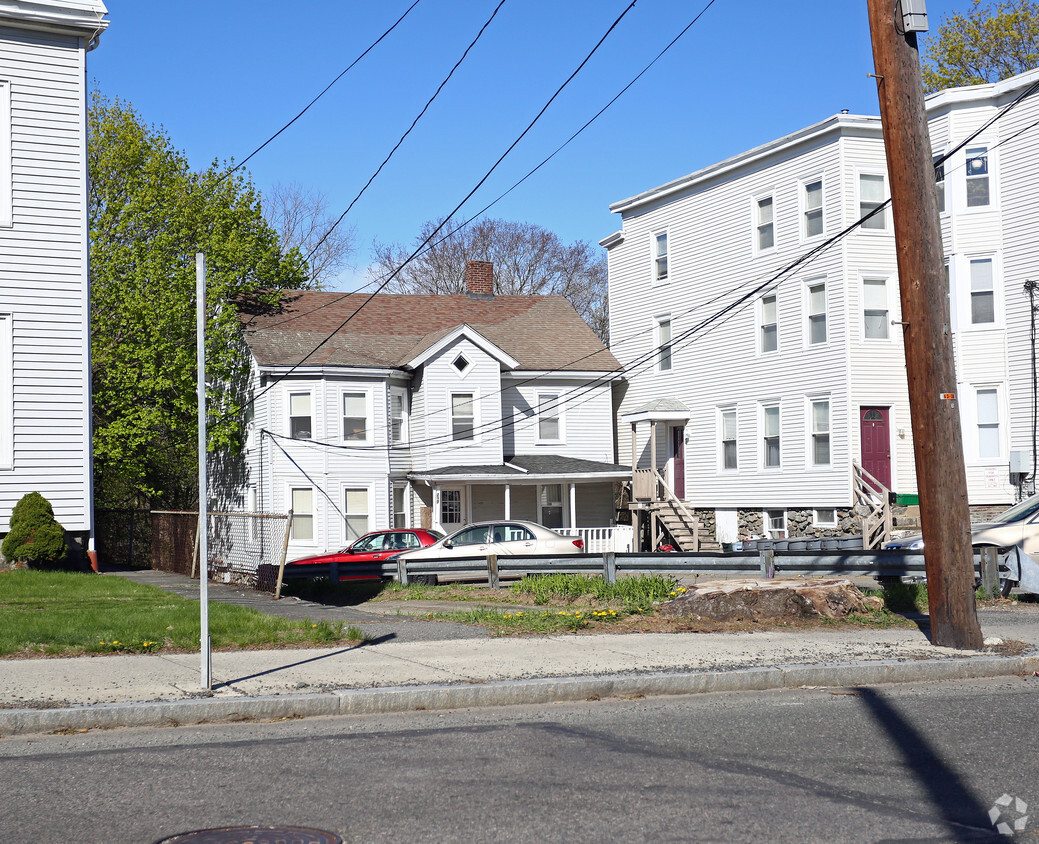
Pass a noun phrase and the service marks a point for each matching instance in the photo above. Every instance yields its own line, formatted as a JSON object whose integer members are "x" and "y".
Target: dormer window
{"x": 461, "y": 363}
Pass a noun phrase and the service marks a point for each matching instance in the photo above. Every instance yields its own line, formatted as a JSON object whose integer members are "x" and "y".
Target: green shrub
{"x": 35, "y": 536}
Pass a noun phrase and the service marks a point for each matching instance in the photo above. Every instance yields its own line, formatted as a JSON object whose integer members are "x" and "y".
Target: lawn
{"x": 68, "y": 614}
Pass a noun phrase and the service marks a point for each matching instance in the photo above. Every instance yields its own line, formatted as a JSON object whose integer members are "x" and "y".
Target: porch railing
{"x": 872, "y": 498}
{"x": 644, "y": 485}
{"x": 598, "y": 540}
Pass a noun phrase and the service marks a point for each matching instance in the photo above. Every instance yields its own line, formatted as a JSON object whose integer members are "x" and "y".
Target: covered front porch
{"x": 573, "y": 496}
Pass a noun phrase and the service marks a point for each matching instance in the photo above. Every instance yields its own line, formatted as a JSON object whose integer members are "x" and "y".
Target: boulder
{"x": 756, "y": 600}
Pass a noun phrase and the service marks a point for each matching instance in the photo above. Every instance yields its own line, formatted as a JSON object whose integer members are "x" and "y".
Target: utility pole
{"x": 938, "y": 446}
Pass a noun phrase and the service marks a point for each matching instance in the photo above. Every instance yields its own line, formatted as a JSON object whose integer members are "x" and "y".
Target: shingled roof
{"x": 541, "y": 332}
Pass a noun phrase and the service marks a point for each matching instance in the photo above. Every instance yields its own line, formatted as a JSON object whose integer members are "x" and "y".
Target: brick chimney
{"x": 479, "y": 278}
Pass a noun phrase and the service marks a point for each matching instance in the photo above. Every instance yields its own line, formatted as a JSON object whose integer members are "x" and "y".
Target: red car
{"x": 373, "y": 547}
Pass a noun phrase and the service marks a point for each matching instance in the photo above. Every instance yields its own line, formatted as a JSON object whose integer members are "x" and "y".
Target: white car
{"x": 505, "y": 538}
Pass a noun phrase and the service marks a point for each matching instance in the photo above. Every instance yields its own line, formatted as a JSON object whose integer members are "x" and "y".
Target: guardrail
{"x": 765, "y": 563}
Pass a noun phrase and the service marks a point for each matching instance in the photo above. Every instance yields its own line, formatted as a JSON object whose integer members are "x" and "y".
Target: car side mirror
{"x": 447, "y": 543}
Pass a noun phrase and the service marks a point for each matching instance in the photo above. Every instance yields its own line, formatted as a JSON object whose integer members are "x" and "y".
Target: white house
{"x": 428, "y": 411}
{"x": 44, "y": 297}
{"x": 769, "y": 359}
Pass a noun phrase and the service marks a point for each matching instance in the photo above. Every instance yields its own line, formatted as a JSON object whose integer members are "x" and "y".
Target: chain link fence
{"x": 122, "y": 537}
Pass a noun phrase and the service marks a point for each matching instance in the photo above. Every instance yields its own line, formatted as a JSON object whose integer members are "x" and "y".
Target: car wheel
{"x": 423, "y": 579}
{"x": 1006, "y": 585}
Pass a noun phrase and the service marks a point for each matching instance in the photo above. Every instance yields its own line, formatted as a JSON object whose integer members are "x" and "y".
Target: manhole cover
{"x": 255, "y": 835}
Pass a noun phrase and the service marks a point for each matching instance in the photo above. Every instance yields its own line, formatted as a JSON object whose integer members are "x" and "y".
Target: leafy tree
{"x": 149, "y": 215}
{"x": 528, "y": 260}
{"x": 985, "y": 44}
{"x": 300, "y": 218}
{"x": 35, "y": 536}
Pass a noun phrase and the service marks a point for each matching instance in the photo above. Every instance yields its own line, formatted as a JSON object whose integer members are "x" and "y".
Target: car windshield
{"x": 1021, "y": 510}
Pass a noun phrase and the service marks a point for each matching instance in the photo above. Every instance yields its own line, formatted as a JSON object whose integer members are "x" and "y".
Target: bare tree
{"x": 300, "y": 217}
{"x": 528, "y": 260}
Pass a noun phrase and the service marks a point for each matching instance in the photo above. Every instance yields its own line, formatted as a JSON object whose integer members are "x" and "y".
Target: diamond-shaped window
{"x": 461, "y": 363}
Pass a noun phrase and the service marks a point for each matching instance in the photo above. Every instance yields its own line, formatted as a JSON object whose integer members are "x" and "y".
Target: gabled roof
{"x": 539, "y": 332}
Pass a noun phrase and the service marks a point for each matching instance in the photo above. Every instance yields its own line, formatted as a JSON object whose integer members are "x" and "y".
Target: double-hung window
{"x": 939, "y": 182}
{"x": 398, "y": 415}
{"x": 550, "y": 427}
{"x": 815, "y": 296}
{"x": 463, "y": 419}
{"x": 813, "y": 209}
{"x": 6, "y": 392}
{"x": 769, "y": 322}
{"x": 660, "y": 256}
{"x": 871, "y": 197}
{"x": 355, "y": 417}
{"x": 729, "y": 456}
{"x": 820, "y": 421}
{"x": 664, "y": 344}
{"x": 303, "y": 513}
{"x": 400, "y": 507}
{"x": 770, "y": 438}
{"x": 982, "y": 292}
{"x": 988, "y": 424}
{"x": 300, "y": 419}
{"x": 765, "y": 223}
{"x": 978, "y": 189}
{"x": 775, "y": 523}
{"x": 355, "y": 508}
{"x": 874, "y": 308}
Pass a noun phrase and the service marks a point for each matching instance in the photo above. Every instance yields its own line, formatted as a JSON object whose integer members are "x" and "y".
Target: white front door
{"x": 452, "y": 508}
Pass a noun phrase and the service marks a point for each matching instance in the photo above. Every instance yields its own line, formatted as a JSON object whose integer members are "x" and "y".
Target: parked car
{"x": 505, "y": 538}
{"x": 1019, "y": 525}
{"x": 373, "y": 547}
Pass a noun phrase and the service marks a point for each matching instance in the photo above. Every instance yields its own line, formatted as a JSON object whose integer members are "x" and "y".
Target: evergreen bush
{"x": 35, "y": 536}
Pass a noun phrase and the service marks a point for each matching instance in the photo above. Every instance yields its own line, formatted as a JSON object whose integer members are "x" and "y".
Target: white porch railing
{"x": 619, "y": 538}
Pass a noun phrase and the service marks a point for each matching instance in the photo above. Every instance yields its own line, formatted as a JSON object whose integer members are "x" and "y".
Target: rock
{"x": 756, "y": 600}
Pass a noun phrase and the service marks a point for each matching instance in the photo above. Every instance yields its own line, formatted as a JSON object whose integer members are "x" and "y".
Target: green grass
{"x": 504, "y": 622}
{"x": 636, "y": 594}
{"x": 67, "y": 613}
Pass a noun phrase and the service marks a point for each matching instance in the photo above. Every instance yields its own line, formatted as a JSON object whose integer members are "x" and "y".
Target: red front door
{"x": 678, "y": 464}
{"x": 876, "y": 442}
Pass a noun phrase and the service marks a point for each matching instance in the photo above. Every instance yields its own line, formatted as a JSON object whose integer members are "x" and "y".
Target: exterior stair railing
{"x": 873, "y": 503}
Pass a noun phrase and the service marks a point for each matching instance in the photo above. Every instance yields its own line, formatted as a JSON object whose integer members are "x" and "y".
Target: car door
{"x": 471, "y": 542}
{"x": 511, "y": 540}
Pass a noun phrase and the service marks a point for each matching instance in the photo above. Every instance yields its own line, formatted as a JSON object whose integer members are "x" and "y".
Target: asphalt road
{"x": 922, "y": 762}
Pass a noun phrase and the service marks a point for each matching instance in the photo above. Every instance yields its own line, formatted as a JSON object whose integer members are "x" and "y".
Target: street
{"x": 909, "y": 762}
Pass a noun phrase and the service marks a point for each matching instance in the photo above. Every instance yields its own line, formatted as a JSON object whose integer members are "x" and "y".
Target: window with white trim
{"x": 820, "y": 427}
{"x": 303, "y": 513}
{"x": 6, "y": 188}
{"x": 6, "y": 391}
{"x": 815, "y": 302}
{"x": 775, "y": 524}
{"x": 463, "y": 416}
{"x": 398, "y": 415}
{"x": 765, "y": 224}
{"x": 769, "y": 324}
{"x": 550, "y": 501}
{"x": 979, "y": 192}
{"x": 874, "y": 309}
{"x": 660, "y": 256}
{"x": 550, "y": 425}
{"x": 812, "y": 200}
{"x": 728, "y": 437}
{"x": 988, "y": 424}
{"x": 355, "y": 509}
{"x": 300, "y": 416}
{"x": 939, "y": 182}
{"x": 355, "y": 416}
{"x": 982, "y": 292}
{"x": 400, "y": 506}
{"x": 770, "y": 436}
{"x": 663, "y": 344}
{"x": 825, "y": 518}
{"x": 250, "y": 507}
{"x": 872, "y": 194}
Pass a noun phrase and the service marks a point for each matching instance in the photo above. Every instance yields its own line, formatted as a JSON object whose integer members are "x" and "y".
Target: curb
{"x": 501, "y": 693}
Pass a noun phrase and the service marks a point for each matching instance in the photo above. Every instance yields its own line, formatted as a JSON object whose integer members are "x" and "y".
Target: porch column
{"x": 634, "y": 451}
{"x": 508, "y": 501}
{"x": 573, "y": 505}
{"x": 653, "y": 446}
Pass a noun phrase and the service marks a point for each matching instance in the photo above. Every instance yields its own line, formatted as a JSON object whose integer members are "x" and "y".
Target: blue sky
{"x": 223, "y": 76}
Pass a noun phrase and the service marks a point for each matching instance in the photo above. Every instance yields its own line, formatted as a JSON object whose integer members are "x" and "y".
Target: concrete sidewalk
{"x": 398, "y": 671}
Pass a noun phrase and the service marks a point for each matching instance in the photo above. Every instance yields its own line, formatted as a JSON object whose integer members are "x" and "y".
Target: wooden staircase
{"x": 873, "y": 504}
{"x": 672, "y": 519}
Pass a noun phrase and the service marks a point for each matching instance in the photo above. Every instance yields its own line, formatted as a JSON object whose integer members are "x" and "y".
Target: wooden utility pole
{"x": 933, "y": 403}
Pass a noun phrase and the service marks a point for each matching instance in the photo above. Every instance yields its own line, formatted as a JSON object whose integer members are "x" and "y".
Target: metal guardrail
{"x": 764, "y": 563}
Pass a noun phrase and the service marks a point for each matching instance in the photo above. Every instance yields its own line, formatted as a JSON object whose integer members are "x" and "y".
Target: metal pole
{"x": 941, "y": 477}
{"x": 203, "y": 492}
